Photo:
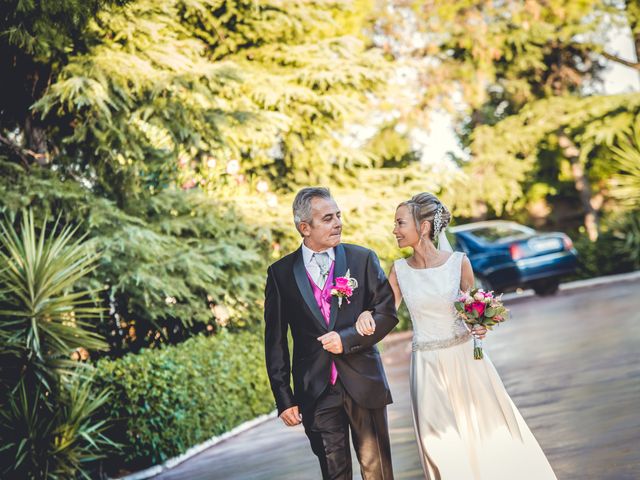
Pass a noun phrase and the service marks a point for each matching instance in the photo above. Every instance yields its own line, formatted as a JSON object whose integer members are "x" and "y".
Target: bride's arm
{"x": 467, "y": 281}
{"x": 395, "y": 286}
{"x": 366, "y": 325}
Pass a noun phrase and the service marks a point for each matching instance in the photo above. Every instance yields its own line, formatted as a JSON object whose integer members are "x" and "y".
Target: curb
{"x": 172, "y": 462}
{"x": 577, "y": 285}
{"x": 389, "y": 342}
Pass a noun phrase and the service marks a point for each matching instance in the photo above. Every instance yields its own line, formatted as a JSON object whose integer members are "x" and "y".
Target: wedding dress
{"x": 466, "y": 425}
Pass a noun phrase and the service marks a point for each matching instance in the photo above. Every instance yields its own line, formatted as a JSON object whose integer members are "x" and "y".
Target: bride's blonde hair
{"x": 427, "y": 207}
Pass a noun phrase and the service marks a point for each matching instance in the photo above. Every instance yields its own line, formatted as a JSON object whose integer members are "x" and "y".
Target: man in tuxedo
{"x": 339, "y": 384}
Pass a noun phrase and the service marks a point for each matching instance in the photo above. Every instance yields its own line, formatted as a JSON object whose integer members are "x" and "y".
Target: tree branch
{"x": 23, "y": 153}
{"x": 597, "y": 49}
{"x": 617, "y": 59}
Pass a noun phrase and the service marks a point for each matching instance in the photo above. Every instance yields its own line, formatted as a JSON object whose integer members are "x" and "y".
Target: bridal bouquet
{"x": 477, "y": 307}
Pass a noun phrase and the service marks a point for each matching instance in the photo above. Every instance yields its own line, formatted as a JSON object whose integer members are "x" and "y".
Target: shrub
{"x": 617, "y": 249}
{"x": 167, "y": 400}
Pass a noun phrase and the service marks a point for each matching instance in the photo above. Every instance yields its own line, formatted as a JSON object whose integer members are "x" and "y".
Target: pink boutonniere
{"x": 344, "y": 287}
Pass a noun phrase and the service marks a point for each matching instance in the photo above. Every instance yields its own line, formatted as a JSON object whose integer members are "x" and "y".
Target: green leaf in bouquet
{"x": 490, "y": 312}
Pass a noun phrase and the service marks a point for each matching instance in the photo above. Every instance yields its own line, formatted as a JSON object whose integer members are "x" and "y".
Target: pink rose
{"x": 344, "y": 287}
{"x": 346, "y": 290}
{"x": 478, "y": 307}
{"x": 464, "y": 298}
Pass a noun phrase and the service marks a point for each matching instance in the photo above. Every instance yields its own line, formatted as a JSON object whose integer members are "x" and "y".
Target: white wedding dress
{"x": 466, "y": 424}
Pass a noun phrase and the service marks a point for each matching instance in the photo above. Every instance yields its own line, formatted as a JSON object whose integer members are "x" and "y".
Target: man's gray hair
{"x": 302, "y": 203}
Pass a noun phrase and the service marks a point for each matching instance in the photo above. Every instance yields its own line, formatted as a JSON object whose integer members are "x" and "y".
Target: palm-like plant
{"x": 626, "y": 183}
{"x": 625, "y": 188}
{"x": 46, "y": 405}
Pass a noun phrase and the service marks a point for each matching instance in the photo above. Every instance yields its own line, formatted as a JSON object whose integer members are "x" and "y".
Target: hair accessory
{"x": 437, "y": 222}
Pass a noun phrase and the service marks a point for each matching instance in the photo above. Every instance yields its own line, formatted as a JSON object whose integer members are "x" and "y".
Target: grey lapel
{"x": 339, "y": 270}
{"x": 304, "y": 286}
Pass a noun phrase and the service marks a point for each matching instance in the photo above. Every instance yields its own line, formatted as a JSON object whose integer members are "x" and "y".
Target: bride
{"x": 465, "y": 422}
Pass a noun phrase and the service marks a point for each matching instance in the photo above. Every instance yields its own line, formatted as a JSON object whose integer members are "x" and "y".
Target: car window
{"x": 497, "y": 233}
{"x": 460, "y": 246}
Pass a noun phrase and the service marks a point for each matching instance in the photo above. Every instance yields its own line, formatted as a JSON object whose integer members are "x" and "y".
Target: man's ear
{"x": 305, "y": 229}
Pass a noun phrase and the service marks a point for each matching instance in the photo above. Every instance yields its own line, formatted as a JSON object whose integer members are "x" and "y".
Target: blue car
{"x": 506, "y": 255}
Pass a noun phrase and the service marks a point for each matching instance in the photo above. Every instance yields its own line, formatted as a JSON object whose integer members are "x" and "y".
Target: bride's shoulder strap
{"x": 461, "y": 257}
{"x": 398, "y": 264}
{"x": 457, "y": 262}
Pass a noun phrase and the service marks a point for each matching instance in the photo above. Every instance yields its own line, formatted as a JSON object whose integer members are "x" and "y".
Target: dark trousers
{"x": 327, "y": 425}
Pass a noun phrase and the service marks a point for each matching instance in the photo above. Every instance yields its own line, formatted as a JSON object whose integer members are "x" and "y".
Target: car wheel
{"x": 546, "y": 288}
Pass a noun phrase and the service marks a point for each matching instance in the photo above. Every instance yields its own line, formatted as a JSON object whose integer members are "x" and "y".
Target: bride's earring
{"x": 420, "y": 237}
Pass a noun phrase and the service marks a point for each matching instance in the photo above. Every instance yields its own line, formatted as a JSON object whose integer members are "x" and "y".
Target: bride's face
{"x": 405, "y": 228}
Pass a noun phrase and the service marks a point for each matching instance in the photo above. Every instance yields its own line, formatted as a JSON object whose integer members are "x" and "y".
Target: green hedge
{"x": 617, "y": 249}
{"x": 167, "y": 400}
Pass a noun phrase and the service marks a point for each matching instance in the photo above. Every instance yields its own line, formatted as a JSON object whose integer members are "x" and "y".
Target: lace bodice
{"x": 429, "y": 294}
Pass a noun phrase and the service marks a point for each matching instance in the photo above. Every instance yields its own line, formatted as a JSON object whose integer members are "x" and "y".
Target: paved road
{"x": 571, "y": 364}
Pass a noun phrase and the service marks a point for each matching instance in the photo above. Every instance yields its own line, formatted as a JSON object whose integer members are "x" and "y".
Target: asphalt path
{"x": 570, "y": 362}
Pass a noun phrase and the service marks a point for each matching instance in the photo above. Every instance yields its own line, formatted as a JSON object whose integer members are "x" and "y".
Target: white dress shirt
{"x": 312, "y": 266}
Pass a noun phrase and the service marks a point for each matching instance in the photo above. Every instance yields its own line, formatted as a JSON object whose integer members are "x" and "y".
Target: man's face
{"x": 325, "y": 229}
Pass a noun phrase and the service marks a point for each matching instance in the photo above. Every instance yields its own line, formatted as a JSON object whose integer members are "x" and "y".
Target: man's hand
{"x": 479, "y": 331}
{"x": 331, "y": 342}
{"x": 291, "y": 416}
{"x": 366, "y": 325}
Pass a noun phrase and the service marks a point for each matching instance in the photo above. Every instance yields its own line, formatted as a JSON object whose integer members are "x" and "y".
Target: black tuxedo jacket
{"x": 289, "y": 303}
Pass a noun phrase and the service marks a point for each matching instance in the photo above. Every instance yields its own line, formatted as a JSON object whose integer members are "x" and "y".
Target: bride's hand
{"x": 479, "y": 331}
{"x": 366, "y": 325}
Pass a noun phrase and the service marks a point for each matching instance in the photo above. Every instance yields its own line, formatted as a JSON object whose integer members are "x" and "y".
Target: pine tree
{"x": 36, "y": 41}
{"x": 270, "y": 85}
{"x": 148, "y": 100}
